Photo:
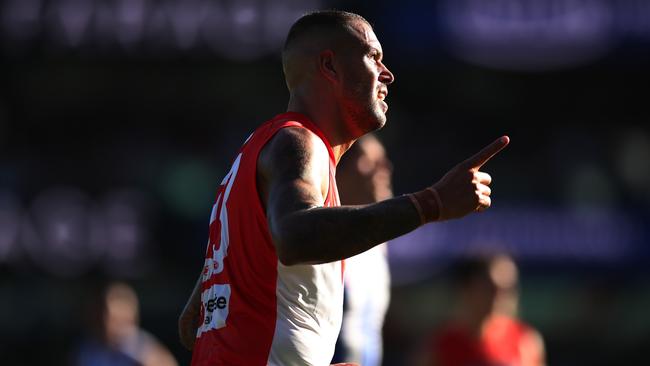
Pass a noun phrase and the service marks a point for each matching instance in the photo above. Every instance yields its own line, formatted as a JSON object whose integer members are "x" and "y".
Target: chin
{"x": 373, "y": 124}
{"x": 379, "y": 121}
{"x": 370, "y": 120}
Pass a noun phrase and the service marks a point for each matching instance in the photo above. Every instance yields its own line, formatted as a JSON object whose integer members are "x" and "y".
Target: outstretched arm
{"x": 188, "y": 322}
{"x": 293, "y": 180}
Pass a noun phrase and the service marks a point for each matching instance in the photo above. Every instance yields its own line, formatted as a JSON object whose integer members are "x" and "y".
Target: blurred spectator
{"x": 116, "y": 338}
{"x": 364, "y": 176}
{"x": 484, "y": 330}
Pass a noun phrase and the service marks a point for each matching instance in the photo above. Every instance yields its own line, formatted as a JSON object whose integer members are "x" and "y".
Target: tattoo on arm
{"x": 295, "y": 170}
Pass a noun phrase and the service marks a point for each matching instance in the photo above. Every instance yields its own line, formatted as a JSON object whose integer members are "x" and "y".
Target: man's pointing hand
{"x": 464, "y": 189}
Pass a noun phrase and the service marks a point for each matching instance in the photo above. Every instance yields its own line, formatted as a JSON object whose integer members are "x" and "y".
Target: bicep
{"x": 295, "y": 164}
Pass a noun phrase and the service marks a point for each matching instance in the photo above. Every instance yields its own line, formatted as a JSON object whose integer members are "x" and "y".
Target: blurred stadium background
{"x": 118, "y": 119}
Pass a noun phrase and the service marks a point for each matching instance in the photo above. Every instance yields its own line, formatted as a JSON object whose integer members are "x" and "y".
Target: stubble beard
{"x": 367, "y": 117}
{"x": 375, "y": 117}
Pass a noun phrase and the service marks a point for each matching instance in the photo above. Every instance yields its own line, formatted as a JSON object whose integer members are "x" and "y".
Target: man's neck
{"x": 328, "y": 120}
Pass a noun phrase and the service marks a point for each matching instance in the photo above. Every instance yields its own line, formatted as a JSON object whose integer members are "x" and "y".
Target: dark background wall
{"x": 118, "y": 119}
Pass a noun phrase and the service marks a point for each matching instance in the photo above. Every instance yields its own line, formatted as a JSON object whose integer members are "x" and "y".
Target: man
{"x": 271, "y": 290}
{"x": 364, "y": 176}
{"x": 485, "y": 329}
{"x": 116, "y": 337}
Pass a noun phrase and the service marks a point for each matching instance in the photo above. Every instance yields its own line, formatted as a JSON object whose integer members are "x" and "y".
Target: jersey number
{"x": 216, "y": 298}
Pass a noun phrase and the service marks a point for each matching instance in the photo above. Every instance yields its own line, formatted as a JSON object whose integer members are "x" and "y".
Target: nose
{"x": 385, "y": 75}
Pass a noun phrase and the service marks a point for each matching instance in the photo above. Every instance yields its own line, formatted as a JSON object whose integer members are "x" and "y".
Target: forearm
{"x": 326, "y": 234}
{"x": 188, "y": 322}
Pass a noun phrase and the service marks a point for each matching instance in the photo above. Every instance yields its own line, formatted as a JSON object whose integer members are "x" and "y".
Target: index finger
{"x": 487, "y": 153}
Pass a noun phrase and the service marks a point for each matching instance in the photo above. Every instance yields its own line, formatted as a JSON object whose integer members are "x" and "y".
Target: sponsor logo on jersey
{"x": 216, "y": 301}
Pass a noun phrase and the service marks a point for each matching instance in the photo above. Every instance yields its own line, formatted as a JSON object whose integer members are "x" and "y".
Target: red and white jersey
{"x": 256, "y": 311}
{"x": 504, "y": 341}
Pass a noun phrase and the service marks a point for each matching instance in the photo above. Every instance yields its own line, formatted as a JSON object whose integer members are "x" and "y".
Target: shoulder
{"x": 295, "y": 139}
{"x": 522, "y": 332}
{"x": 293, "y": 157}
{"x": 531, "y": 347}
{"x": 530, "y": 335}
{"x": 292, "y": 147}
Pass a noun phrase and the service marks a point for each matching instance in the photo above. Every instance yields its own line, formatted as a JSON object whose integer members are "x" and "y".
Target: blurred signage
{"x": 64, "y": 232}
{"x": 588, "y": 235}
{"x": 241, "y": 30}
{"x": 540, "y": 34}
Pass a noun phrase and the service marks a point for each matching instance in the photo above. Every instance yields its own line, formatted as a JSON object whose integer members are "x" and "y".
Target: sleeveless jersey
{"x": 500, "y": 344}
{"x": 255, "y": 310}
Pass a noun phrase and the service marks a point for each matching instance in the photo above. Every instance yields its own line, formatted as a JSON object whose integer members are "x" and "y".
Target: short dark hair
{"x": 322, "y": 19}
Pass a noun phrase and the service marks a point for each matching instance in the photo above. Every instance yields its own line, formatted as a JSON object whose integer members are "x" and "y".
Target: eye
{"x": 374, "y": 55}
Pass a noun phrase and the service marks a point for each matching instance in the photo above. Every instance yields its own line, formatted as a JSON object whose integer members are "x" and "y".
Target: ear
{"x": 326, "y": 66}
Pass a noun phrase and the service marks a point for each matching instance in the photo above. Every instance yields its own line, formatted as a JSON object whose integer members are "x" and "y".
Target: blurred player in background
{"x": 116, "y": 338}
{"x": 271, "y": 288}
{"x": 364, "y": 176}
{"x": 485, "y": 330}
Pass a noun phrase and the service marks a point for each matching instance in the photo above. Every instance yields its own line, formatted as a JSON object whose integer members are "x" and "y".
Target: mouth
{"x": 383, "y": 93}
{"x": 384, "y": 106}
